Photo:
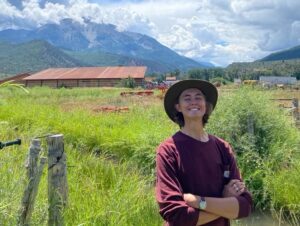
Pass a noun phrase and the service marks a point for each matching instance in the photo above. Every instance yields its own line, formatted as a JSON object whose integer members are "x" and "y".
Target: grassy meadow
{"x": 110, "y": 156}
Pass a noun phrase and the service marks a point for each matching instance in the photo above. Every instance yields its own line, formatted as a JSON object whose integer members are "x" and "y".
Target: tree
{"x": 129, "y": 82}
{"x": 197, "y": 74}
{"x": 296, "y": 74}
{"x": 160, "y": 78}
{"x": 177, "y": 72}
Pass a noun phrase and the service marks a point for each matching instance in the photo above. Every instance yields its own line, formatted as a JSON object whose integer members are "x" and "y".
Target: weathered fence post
{"x": 295, "y": 105}
{"x": 57, "y": 180}
{"x": 296, "y": 113}
{"x": 250, "y": 125}
{"x": 34, "y": 173}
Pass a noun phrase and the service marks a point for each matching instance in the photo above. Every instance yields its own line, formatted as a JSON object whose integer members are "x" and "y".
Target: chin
{"x": 194, "y": 117}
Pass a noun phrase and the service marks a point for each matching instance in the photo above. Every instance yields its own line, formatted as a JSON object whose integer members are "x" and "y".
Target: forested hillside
{"x": 289, "y": 54}
{"x": 32, "y": 56}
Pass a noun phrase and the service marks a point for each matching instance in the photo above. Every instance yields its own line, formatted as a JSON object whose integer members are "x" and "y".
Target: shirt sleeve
{"x": 245, "y": 199}
{"x": 169, "y": 194}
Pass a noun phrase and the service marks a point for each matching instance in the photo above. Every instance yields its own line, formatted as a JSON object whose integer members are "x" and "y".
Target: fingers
{"x": 186, "y": 197}
{"x": 189, "y": 197}
{"x": 233, "y": 181}
{"x": 236, "y": 186}
{"x": 239, "y": 187}
{"x": 191, "y": 200}
{"x": 236, "y": 183}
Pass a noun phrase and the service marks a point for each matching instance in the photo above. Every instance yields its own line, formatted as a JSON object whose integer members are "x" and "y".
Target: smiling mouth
{"x": 194, "y": 109}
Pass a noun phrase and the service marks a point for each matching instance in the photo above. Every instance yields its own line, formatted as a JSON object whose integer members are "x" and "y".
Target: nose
{"x": 194, "y": 101}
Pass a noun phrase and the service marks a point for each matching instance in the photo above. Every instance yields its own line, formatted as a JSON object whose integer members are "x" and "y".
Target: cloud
{"x": 185, "y": 40}
{"x": 274, "y": 21}
{"x": 220, "y": 31}
{"x": 250, "y": 29}
{"x": 8, "y": 15}
{"x": 16, "y": 3}
{"x": 39, "y": 12}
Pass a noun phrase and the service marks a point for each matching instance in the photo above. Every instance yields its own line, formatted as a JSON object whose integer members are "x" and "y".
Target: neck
{"x": 195, "y": 130}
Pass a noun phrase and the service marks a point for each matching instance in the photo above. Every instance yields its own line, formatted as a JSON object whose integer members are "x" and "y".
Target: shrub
{"x": 263, "y": 138}
{"x": 128, "y": 82}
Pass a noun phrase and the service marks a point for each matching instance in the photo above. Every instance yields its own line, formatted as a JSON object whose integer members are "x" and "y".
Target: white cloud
{"x": 38, "y": 16}
{"x": 220, "y": 31}
{"x": 8, "y": 15}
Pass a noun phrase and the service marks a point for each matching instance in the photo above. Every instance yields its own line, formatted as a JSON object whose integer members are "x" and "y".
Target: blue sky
{"x": 218, "y": 31}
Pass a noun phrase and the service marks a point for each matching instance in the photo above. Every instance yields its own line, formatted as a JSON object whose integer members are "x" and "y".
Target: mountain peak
{"x": 91, "y": 37}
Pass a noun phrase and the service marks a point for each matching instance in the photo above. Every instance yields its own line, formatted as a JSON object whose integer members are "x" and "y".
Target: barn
{"x": 86, "y": 76}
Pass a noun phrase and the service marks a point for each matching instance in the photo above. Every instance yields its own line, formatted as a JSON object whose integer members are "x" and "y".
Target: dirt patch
{"x": 137, "y": 93}
{"x": 111, "y": 109}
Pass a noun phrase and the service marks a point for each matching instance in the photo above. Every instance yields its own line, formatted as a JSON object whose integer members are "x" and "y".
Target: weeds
{"x": 111, "y": 155}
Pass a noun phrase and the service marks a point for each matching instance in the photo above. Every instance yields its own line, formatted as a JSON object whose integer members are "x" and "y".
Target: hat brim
{"x": 209, "y": 90}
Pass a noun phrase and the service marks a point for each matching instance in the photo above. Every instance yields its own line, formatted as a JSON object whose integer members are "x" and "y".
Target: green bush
{"x": 128, "y": 82}
{"x": 264, "y": 139}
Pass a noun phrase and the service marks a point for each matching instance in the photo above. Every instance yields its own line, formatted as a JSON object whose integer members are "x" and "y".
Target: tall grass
{"x": 101, "y": 192}
{"x": 134, "y": 134}
{"x": 266, "y": 143}
{"x": 111, "y": 155}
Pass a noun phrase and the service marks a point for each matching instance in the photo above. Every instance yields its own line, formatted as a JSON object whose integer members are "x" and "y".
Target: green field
{"x": 110, "y": 156}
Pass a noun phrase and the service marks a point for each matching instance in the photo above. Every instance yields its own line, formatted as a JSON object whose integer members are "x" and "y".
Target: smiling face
{"x": 191, "y": 104}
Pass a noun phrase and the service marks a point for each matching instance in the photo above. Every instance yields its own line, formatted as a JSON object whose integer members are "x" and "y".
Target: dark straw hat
{"x": 209, "y": 90}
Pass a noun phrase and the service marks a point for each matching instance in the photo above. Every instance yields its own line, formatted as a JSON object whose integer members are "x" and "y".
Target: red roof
{"x": 89, "y": 73}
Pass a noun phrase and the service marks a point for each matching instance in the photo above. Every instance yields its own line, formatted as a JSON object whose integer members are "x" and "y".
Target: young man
{"x": 198, "y": 181}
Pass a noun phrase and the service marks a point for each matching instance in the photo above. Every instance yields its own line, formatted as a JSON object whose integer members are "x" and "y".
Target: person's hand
{"x": 234, "y": 188}
{"x": 191, "y": 200}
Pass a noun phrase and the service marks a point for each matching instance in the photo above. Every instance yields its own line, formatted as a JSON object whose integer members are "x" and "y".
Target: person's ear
{"x": 177, "y": 107}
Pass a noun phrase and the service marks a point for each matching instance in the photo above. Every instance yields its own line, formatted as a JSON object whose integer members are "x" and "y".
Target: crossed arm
{"x": 227, "y": 206}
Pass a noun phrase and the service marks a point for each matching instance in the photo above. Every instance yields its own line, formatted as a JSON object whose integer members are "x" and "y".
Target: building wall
{"x": 68, "y": 83}
{"x": 79, "y": 83}
{"x": 277, "y": 80}
{"x": 32, "y": 83}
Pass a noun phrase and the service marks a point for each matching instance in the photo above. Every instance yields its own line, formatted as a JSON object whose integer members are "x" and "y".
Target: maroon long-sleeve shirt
{"x": 186, "y": 165}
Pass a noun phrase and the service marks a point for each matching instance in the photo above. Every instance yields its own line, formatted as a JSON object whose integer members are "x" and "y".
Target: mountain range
{"x": 70, "y": 44}
{"x": 289, "y": 54}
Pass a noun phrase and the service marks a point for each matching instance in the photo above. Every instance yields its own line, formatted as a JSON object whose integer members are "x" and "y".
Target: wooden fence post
{"x": 57, "y": 180}
{"x": 295, "y": 105}
{"x": 296, "y": 113}
{"x": 250, "y": 125}
{"x": 34, "y": 173}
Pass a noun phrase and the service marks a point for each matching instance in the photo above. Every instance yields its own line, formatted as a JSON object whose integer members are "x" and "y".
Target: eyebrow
{"x": 198, "y": 94}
